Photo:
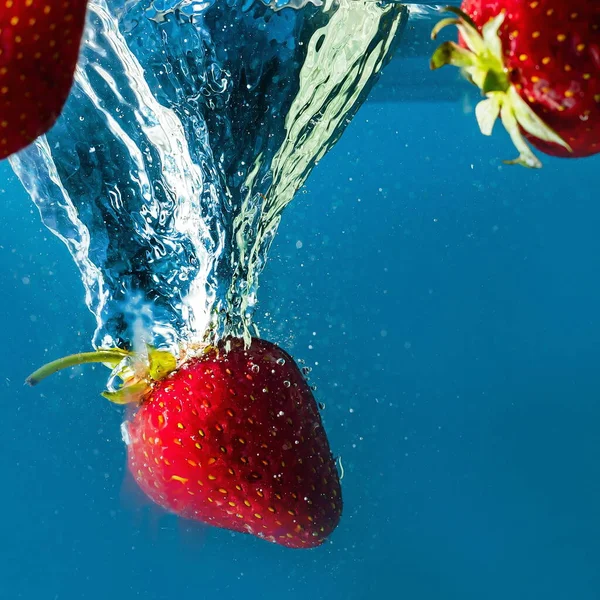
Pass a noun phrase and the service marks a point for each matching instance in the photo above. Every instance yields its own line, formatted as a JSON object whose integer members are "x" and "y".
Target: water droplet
{"x": 313, "y": 388}
{"x": 281, "y": 361}
{"x": 322, "y": 405}
{"x": 306, "y": 370}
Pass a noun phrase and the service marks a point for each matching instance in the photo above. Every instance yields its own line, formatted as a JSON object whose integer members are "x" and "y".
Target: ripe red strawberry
{"x": 230, "y": 438}
{"x": 39, "y": 47}
{"x": 538, "y": 64}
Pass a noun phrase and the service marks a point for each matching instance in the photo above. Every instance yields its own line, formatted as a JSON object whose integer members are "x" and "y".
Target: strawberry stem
{"x": 112, "y": 357}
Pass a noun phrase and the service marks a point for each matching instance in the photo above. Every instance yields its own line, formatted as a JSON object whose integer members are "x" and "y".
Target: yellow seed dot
{"x": 14, "y": 21}
{"x": 536, "y": 34}
{"x": 212, "y": 460}
{"x": 200, "y": 482}
{"x": 597, "y": 98}
{"x": 161, "y": 420}
{"x": 568, "y": 68}
{"x": 180, "y": 426}
{"x": 569, "y": 94}
{"x": 178, "y": 442}
{"x": 561, "y": 37}
{"x": 210, "y": 499}
{"x": 514, "y": 34}
{"x": 258, "y": 516}
{"x": 546, "y": 60}
{"x": 201, "y": 432}
{"x": 260, "y": 494}
{"x": 292, "y": 513}
{"x": 222, "y": 490}
{"x": 574, "y": 15}
{"x": 523, "y": 57}
{"x": 587, "y": 75}
{"x": 270, "y": 509}
{"x": 535, "y": 79}
{"x": 212, "y": 477}
{"x": 231, "y": 503}
{"x": 182, "y": 480}
{"x": 241, "y": 440}
{"x": 192, "y": 463}
{"x": 247, "y": 503}
{"x": 580, "y": 47}
{"x": 534, "y": 4}
{"x": 198, "y": 445}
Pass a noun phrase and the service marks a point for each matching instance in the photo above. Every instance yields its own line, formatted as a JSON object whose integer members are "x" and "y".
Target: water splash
{"x": 190, "y": 127}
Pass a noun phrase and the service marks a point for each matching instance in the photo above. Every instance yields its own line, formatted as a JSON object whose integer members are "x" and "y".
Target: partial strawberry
{"x": 538, "y": 64}
{"x": 232, "y": 438}
{"x": 39, "y": 48}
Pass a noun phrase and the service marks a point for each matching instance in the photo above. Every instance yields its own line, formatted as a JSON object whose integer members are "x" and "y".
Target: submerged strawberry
{"x": 233, "y": 439}
{"x": 39, "y": 47}
{"x": 538, "y": 64}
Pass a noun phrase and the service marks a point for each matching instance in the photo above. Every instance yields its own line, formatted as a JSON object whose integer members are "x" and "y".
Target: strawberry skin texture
{"x": 235, "y": 440}
{"x": 552, "y": 50}
{"x": 39, "y": 48}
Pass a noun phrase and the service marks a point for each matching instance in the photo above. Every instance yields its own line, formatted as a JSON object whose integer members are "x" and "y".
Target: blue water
{"x": 449, "y": 308}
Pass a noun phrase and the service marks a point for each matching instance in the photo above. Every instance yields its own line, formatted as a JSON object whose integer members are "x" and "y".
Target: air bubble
{"x": 286, "y": 384}
{"x": 281, "y": 361}
{"x": 255, "y": 368}
{"x": 306, "y": 370}
{"x": 125, "y": 433}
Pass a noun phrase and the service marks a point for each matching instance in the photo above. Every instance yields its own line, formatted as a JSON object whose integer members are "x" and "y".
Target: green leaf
{"x": 128, "y": 393}
{"x": 441, "y": 25}
{"x": 486, "y": 112}
{"x": 450, "y": 53}
{"x": 531, "y": 123}
{"x": 491, "y": 38}
{"x": 161, "y": 363}
{"x": 526, "y": 157}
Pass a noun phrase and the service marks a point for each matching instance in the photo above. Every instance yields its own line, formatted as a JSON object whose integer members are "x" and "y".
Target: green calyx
{"x": 482, "y": 62}
{"x": 136, "y": 371}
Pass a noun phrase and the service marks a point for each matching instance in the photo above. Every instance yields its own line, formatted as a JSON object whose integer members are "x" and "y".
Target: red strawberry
{"x": 538, "y": 64}
{"x": 39, "y": 47}
{"x": 233, "y": 439}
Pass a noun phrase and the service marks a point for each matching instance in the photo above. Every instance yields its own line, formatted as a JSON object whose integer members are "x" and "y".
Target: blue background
{"x": 449, "y": 308}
